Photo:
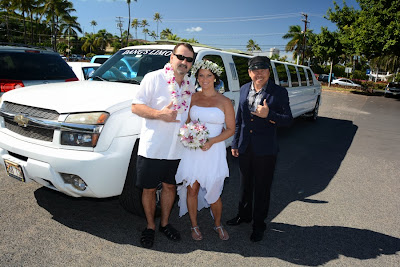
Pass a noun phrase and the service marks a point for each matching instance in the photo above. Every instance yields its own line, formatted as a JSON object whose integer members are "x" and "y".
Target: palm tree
{"x": 69, "y": 28}
{"x": 165, "y": 33}
{"x": 153, "y": 35}
{"x": 23, "y": 6}
{"x": 252, "y": 46}
{"x": 89, "y": 43}
{"x": 56, "y": 10}
{"x": 157, "y": 18}
{"x": 135, "y": 24}
{"x": 6, "y": 5}
{"x": 103, "y": 38}
{"x": 296, "y": 42}
{"x": 145, "y": 31}
{"x": 144, "y": 24}
{"x": 93, "y": 23}
{"x": 129, "y": 18}
{"x": 173, "y": 37}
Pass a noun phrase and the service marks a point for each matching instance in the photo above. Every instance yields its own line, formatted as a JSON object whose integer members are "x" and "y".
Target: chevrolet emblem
{"x": 21, "y": 120}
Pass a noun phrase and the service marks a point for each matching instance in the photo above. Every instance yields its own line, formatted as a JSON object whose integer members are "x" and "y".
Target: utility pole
{"x": 304, "y": 36}
{"x": 120, "y": 24}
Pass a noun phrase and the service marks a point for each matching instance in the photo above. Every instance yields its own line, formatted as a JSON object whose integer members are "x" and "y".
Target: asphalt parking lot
{"x": 335, "y": 202}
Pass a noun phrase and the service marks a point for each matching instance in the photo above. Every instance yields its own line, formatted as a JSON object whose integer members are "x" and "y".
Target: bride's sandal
{"x": 222, "y": 233}
{"x": 196, "y": 234}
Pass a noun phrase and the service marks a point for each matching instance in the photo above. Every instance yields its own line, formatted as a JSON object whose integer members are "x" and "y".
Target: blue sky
{"x": 225, "y": 24}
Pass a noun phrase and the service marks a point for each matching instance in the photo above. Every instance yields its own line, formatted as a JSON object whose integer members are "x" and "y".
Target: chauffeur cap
{"x": 259, "y": 62}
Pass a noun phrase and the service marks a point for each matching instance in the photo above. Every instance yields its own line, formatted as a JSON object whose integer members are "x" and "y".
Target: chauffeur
{"x": 263, "y": 106}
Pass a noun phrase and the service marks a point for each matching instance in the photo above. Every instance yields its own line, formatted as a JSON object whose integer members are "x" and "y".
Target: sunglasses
{"x": 188, "y": 59}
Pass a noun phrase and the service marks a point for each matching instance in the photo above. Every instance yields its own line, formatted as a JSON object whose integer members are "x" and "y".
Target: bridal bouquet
{"x": 193, "y": 134}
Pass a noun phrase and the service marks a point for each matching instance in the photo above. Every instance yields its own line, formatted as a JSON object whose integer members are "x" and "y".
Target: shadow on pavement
{"x": 311, "y": 154}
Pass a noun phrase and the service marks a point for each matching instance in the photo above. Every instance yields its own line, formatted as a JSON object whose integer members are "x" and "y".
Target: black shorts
{"x": 150, "y": 172}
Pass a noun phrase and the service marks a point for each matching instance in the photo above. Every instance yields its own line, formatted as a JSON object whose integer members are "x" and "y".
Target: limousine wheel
{"x": 313, "y": 115}
{"x": 131, "y": 197}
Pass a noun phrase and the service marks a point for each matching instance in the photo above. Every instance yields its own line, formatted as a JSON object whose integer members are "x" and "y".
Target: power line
{"x": 232, "y": 19}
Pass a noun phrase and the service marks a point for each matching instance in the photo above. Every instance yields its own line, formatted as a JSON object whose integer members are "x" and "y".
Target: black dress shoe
{"x": 256, "y": 236}
{"x": 237, "y": 220}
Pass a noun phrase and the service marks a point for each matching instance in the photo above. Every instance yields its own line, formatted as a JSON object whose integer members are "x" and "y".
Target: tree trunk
{"x": 129, "y": 24}
{"x": 23, "y": 15}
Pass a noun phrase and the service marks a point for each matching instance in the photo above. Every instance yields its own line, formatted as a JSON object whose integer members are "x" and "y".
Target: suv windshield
{"x": 33, "y": 66}
{"x": 394, "y": 85}
{"x": 130, "y": 65}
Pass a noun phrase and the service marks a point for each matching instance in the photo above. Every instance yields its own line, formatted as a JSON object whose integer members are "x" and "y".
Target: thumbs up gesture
{"x": 167, "y": 114}
{"x": 262, "y": 110}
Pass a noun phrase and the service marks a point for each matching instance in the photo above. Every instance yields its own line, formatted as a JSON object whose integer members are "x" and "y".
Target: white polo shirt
{"x": 159, "y": 139}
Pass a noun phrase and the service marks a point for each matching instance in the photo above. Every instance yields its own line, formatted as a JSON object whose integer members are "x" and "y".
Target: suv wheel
{"x": 131, "y": 196}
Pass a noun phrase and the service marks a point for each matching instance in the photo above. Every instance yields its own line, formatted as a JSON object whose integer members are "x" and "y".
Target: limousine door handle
{"x": 233, "y": 102}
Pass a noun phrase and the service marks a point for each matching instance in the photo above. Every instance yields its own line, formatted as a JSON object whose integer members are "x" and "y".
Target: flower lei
{"x": 208, "y": 65}
{"x": 179, "y": 97}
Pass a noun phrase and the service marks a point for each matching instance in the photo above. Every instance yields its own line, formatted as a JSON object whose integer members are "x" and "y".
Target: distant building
{"x": 272, "y": 51}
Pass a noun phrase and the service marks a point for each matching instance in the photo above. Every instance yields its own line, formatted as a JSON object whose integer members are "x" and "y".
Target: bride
{"x": 202, "y": 171}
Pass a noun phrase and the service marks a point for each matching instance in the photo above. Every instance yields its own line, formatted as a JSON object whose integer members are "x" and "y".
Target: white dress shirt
{"x": 159, "y": 139}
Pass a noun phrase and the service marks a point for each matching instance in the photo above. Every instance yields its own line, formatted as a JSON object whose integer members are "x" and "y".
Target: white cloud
{"x": 194, "y": 29}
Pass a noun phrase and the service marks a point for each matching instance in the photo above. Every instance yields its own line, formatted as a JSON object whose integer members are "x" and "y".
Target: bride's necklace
{"x": 179, "y": 97}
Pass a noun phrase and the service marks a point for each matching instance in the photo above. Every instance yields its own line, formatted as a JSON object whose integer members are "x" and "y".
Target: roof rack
{"x": 27, "y": 46}
{"x": 201, "y": 45}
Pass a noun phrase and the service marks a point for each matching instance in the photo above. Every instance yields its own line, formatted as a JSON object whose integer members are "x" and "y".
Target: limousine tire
{"x": 313, "y": 115}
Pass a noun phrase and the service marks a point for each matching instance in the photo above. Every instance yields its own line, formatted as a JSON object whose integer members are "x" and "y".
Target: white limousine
{"x": 81, "y": 138}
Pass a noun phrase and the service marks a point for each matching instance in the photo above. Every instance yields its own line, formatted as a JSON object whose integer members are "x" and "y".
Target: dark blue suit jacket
{"x": 261, "y": 133}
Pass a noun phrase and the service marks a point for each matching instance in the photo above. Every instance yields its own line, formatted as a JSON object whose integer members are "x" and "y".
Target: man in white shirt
{"x": 163, "y": 101}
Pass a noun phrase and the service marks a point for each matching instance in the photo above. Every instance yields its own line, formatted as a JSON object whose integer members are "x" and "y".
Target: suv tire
{"x": 131, "y": 196}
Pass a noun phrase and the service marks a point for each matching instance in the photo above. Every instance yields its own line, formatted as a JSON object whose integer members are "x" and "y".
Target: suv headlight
{"x": 83, "y": 129}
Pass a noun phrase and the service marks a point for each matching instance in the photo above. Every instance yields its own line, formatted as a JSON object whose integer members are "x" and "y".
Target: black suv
{"x": 392, "y": 89}
{"x": 24, "y": 66}
{"x": 325, "y": 78}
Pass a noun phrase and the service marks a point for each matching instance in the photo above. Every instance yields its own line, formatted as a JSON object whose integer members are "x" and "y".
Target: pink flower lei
{"x": 179, "y": 97}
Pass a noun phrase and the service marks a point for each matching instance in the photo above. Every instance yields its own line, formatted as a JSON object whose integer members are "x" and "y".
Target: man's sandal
{"x": 170, "y": 232}
{"x": 222, "y": 233}
{"x": 147, "y": 238}
{"x": 196, "y": 234}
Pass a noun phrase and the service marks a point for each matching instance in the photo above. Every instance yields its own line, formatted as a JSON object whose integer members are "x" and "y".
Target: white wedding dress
{"x": 209, "y": 168}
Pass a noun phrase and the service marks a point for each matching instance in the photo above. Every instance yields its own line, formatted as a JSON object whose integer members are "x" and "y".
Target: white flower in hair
{"x": 208, "y": 65}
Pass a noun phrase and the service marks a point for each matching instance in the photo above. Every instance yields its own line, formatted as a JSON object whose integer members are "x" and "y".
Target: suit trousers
{"x": 256, "y": 175}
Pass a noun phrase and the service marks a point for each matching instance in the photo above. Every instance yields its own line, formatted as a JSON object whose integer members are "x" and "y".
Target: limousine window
{"x": 293, "y": 75}
{"x": 302, "y": 76}
{"x": 217, "y": 59}
{"x": 282, "y": 74}
{"x": 242, "y": 69}
{"x": 271, "y": 74}
{"x": 310, "y": 78}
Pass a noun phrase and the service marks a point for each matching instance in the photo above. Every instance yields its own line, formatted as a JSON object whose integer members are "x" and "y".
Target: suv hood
{"x": 81, "y": 96}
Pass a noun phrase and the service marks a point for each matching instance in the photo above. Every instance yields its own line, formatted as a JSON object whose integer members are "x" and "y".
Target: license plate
{"x": 14, "y": 170}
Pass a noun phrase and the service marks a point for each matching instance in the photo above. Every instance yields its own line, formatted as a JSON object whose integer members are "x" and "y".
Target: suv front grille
{"x": 31, "y": 111}
{"x": 30, "y": 131}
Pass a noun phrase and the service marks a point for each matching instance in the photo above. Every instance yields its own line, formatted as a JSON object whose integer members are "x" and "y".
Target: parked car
{"x": 100, "y": 59}
{"x": 82, "y": 138}
{"x": 392, "y": 89}
{"x": 75, "y": 57}
{"x": 345, "y": 82}
{"x": 23, "y": 66}
{"x": 83, "y": 70}
{"x": 325, "y": 78}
